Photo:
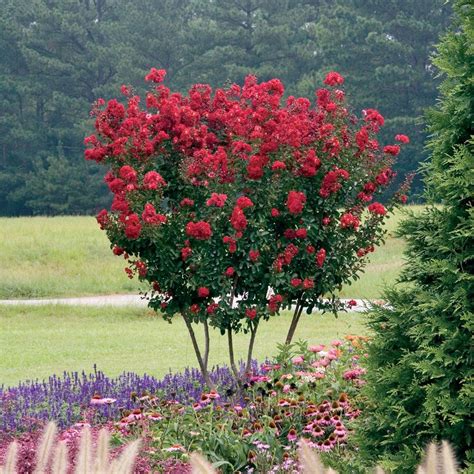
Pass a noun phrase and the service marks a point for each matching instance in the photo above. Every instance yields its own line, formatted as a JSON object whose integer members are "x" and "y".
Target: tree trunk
{"x": 294, "y": 321}
{"x": 253, "y": 333}
{"x": 231, "y": 353}
{"x": 202, "y": 362}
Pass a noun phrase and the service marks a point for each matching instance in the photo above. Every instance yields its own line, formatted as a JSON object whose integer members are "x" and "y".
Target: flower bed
{"x": 251, "y": 423}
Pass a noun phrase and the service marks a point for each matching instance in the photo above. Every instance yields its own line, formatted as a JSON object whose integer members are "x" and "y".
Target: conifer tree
{"x": 421, "y": 358}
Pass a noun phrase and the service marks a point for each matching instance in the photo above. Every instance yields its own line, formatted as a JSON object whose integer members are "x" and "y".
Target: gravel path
{"x": 137, "y": 300}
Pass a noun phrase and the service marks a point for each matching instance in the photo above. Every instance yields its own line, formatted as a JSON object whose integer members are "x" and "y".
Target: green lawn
{"x": 58, "y": 256}
{"x": 70, "y": 256}
{"x": 36, "y": 342}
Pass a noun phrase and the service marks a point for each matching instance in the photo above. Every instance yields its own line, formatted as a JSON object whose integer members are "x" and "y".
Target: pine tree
{"x": 383, "y": 48}
{"x": 421, "y": 372}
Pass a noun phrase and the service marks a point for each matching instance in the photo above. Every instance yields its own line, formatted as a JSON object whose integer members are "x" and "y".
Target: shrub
{"x": 421, "y": 360}
{"x": 233, "y": 205}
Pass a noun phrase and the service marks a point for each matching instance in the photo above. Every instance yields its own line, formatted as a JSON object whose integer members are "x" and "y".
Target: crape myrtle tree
{"x": 235, "y": 206}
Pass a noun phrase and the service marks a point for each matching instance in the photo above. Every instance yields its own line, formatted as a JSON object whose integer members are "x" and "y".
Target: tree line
{"x": 59, "y": 56}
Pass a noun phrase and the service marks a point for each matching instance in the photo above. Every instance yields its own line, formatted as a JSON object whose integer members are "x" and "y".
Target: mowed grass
{"x": 38, "y": 341}
{"x": 70, "y": 256}
{"x": 58, "y": 256}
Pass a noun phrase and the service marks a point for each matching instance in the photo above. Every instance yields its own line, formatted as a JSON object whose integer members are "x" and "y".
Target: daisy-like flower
{"x": 292, "y": 435}
{"x": 155, "y": 416}
{"x": 175, "y": 448}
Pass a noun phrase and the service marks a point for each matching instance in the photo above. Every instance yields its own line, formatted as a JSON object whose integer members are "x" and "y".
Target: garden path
{"x": 137, "y": 300}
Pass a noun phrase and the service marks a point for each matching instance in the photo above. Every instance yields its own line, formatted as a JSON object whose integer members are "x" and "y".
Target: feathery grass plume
{"x": 124, "y": 464}
{"x": 199, "y": 465}
{"x": 84, "y": 456}
{"x": 102, "y": 455}
{"x": 431, "y": 463}
{"x": 309, "y": 460}
{"x": 45, "y": 448}
{"x": 449, "y": 459}
{"x": 60, "y": 462}
{"x": 439, "y": 458}
{"x": 10, "y": 459}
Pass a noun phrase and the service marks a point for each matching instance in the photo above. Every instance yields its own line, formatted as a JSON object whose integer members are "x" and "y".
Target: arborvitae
{"x": 420, "y": 379}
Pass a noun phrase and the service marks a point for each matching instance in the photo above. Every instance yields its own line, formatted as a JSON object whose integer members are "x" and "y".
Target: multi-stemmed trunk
{"x": 203, "y": 358}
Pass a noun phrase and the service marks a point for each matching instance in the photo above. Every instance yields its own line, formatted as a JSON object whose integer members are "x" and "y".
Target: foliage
{"x": 218, "y": 198}
{"x": 60, "y": 56}
{"x": 421, "y": 366}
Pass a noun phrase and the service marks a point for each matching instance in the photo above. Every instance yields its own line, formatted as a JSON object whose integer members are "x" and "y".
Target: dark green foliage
{"x": 421, "y": 371}
{"x": 58, "y": 56}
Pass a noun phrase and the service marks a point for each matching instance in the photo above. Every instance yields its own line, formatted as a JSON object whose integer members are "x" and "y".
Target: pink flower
{"x": 336, "y": 343}
{"x": 298, "y": 360}
{"x": 318, "y": 348}
{"x": 292, "y": 435}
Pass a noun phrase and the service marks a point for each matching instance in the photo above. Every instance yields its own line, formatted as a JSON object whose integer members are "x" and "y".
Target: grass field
{"x": 70, "y": 256}
{"x": 36, "y": 342}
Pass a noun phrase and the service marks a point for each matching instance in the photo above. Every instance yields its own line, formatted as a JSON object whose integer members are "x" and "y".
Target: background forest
{"x": 59, "y": 56}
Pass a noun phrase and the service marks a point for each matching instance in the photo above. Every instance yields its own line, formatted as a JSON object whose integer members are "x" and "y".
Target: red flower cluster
{"x": 254, "y": 255}
{"x": 295, "y": 202}
{"x": 199, "y": 230}
{"x": 331, "y": 184}
{"x": 321, "y": 257}
{"x": 217, "y": 200}
{"x": 377, "y": 208}
{"x": 274, "y": 303}
{"x": 151, "y": 217}
{"x": 349, "y": 220}
{"x": 333, "y": 79}
{"x": 238, "y": 219}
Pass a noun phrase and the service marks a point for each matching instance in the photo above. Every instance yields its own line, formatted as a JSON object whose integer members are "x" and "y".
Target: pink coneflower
{"x": 292, "y": 435}
{"x": 175, "y": 448}
{"x": 213, "y": 395}
{"x": 297, "y": 360}
{"x": 317, "y": 431}
{"x": 155, "y": 416}
{"x": 197, "y": 406}
{"x": 286, "y": 388}
{"x": 308, "y": 428}
{"x": 326, "y": 446}
{"x": 340, "y": 429}
{"x": 283, "y": 403}
{"x": 316, "y": 349}
{"x": 336, "y": 343}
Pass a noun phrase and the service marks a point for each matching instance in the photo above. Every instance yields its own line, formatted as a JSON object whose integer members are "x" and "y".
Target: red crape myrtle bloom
{"x": 237, "y": 193}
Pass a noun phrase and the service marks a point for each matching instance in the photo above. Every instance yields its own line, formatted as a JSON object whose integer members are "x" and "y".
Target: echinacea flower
{"x": 175, "y": 448}
{"x": 292, "y": 435}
